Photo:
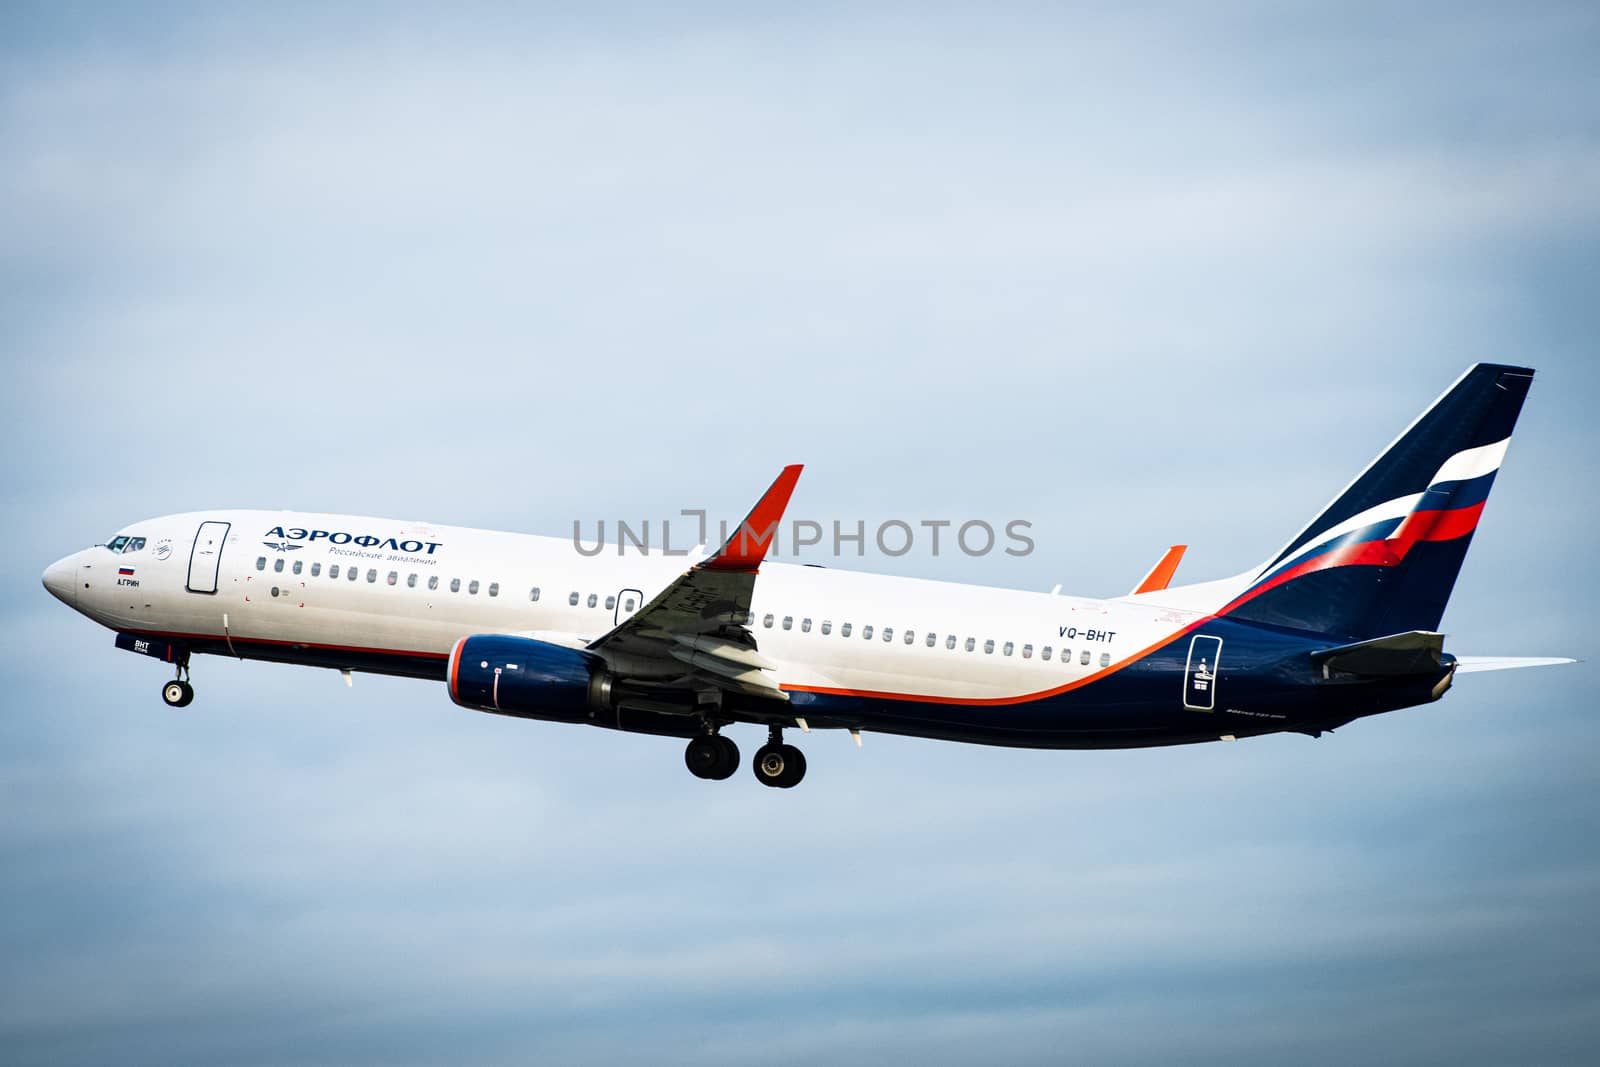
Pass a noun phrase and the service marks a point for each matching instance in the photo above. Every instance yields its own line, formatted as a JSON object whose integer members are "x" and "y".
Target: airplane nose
{"x": 61, "y": 578}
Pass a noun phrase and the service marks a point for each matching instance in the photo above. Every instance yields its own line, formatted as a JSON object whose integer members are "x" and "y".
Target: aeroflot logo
{"x": 340, "y": 537}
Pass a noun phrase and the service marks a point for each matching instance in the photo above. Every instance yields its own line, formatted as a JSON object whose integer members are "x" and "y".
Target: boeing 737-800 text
{"x": 1341, "y": 623}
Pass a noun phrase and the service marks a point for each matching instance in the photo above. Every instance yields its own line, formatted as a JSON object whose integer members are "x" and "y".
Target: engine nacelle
{"x": 531, "y": 679}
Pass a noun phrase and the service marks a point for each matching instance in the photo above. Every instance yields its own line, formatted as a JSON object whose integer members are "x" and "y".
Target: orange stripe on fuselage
{"x": 919, "y": 698}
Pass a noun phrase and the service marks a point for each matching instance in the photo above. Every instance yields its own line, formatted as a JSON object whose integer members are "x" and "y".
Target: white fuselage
{"x": 340, "y": 582}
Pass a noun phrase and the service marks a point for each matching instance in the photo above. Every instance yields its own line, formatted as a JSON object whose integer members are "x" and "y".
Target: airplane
{"x": 1339, "y": 624}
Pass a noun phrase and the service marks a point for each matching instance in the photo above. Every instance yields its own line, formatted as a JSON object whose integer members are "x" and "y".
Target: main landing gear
{"x": 775, "y": 764}
{"x": 712, "y": 756}
{"x": 178, "y": 693}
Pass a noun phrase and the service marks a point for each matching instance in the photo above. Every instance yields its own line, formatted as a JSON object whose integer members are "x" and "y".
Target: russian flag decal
{"x": 125, "y": 571}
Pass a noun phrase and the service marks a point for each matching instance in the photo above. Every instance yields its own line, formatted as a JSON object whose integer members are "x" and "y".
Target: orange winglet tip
{"x": 1161, "y": 574}
{"x": 747, "y": 547}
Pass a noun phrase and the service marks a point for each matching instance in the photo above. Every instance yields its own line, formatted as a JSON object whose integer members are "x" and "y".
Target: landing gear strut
{"x": 712, "y": 756}
{"x": 178, "y": 693}
{"x": 777, "y": 764}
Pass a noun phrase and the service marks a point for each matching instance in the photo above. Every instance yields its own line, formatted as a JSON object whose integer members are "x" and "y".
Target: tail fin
{"x": 1382, "y": 558}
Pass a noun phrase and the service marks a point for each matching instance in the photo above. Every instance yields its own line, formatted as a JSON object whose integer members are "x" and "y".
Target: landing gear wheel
{"x": 779, "y": 766}
{"x": 730, "y": 758}
{"x": 177, "y": 693}
{"x": 797, "y": 766}
{"x": 712, "y": 756}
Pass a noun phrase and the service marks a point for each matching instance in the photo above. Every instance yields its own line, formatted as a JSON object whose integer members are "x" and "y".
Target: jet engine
{"x": 530, "y": 679}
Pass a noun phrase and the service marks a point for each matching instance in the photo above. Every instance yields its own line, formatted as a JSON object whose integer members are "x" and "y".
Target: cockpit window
{"x": 117, "y": 543}
{"x": 134, "y": 545}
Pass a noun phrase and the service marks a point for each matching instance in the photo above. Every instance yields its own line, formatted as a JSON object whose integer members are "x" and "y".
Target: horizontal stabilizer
{"x": 1472, "y": 664}
{"x": 1395, "y": 656}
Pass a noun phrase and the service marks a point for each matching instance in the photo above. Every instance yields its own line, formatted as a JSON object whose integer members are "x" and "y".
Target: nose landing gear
{"x": 178, "y": 693}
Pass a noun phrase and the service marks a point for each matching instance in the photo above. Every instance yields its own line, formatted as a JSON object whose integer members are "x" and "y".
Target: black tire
{"x": 704, "y": 757}
{"x": 794, "y": 767}
{"x": 730, "y": 759}
{"x": 770, "y": 763}
{"x": 176, "y": 694}
{"x": 188, "y": 695}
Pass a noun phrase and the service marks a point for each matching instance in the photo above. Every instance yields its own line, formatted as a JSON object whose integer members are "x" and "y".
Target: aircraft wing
{"x": 1473, "y": 664}
{"x": 699, "y": 626}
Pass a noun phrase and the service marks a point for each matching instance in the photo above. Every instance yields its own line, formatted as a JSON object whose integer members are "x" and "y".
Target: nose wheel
{"x": 178, "y": 693}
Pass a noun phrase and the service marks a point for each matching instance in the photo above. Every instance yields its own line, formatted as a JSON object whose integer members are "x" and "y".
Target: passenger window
{"x": 533, "y": 594}
{"x": 472, "y": 587}
{"x": 611, "y": 603}
{"x": 805, "y": 626}
{"x": 411, "y": 580}
{"x": 933, "y": 638}
{"x": 594, "y": 600}
{"x": 950, "y": 641}
{"x": 1006, "y": 651}
{"x": 888, "y": 633}
{"x": 788, "y": 622}
{"x": 988, "y": 647}
{"x": 372, "y": 575}
{"x": 261, "y": 563}
{"x": 1066, "y": 655}
{"x": 277, "y": 565}
{"x": 1044, "y": 653}
{"x": 316, "y": 570}
{"x": 1027, "y": 651}
{"x": 911, "y": 636}
{"x": 573, "y": 600}
{"x": 297, "y": 566}
{"x": 627, "y": 605}
{"x": 433, "y": 581}
{"x": 1084, "y": 659}
{"x": 333, "y": 570}
{"x": 844, "y": 629}
{"x": 866, "y": 632}
{"x": 827, "y": 627}
{"x": 494, "y": 588}
{"x": 1105, "y": 659}
{"x": 394, "y": 576}
{"x": 455, "y": 585}
{"x": 766, "y": 620}
{"x": 352, "y": 572}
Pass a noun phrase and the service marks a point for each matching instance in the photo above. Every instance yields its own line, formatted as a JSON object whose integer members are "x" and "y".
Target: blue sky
{"x": 1138, "y": 276}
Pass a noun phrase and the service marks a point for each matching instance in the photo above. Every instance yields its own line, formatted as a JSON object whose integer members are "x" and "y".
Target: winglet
{"x": 1161, "y": 574}
{"x": 747, "y": 546}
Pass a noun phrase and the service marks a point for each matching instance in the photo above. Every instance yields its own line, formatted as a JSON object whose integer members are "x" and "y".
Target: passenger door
{"x": 205, "y": 557}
